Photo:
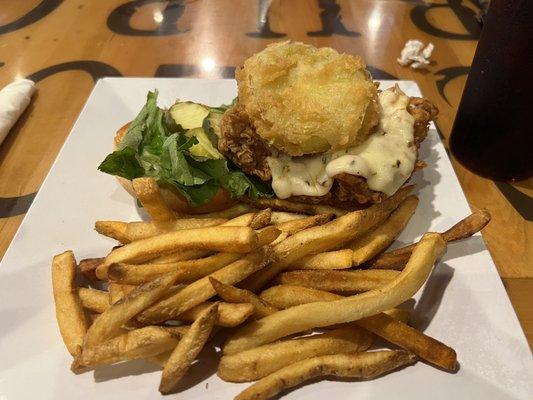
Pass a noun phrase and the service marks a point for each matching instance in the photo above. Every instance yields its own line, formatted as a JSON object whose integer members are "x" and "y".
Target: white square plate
{"x": 464, "y": 304}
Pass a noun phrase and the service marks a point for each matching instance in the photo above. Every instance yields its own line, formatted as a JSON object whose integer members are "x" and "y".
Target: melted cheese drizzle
{"x": 386, "y": 159}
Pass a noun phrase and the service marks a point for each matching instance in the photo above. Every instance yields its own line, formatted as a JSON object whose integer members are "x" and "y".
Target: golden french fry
{"x": 88, "y": 267}
{"x": 396, "y": 259}
{"x": 294, "y": 207}
{"x": 109, "y": 323}
{"x": 113, "y": 229}
{"x": 69, "y": 311}
{"x": 227, "y": 239}
{"x": 180, "y": 256}
{"x": 337, "y": 259}
{"x": 147, "y": 192}
{"x": 286, "y": 296}
{"x": 192, "y": 270}
{"x": 320, "y": 314}
{"x": 201, "y": 290}
{"x": 160, "y": 359}
{"x": 126, "y": 232}
{"x": 94, "y": 300}
{"x": 267, "y": 235}
{"x": 232, "y": 294}
{"x": 399, "y": 314}
{"x": 409, "y": 338}
{"x": 374, "y": 242}
{"x": 229, "y": 314}
{"x": 389, "y": 325}
{"x": 345, "y": 365}
{"x": 254, "y": 220}
{"x": 256, "y": 363}
{"x": 135, "y": 274}
{"x": 133, "y": 345}
{"x": 261, "y": 219}
{"x": 296, "y": 225}
{"x": 339, "y": 281}
{"x": 279, "y": 217}
{"x": 187, "y": 349}
{"x": 228, "y": 213}
{"x": 325, "y": 237}
{"x": 117, "y": 291}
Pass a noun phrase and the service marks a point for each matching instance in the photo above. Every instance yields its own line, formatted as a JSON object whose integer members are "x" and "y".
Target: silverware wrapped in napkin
{"x": 14, "y": 98}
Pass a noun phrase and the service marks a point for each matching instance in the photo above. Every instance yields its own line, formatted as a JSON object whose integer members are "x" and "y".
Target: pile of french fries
{"x": 304, "y": 292}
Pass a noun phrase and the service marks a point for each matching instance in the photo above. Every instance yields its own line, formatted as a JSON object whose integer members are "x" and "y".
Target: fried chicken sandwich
{"x": 308, "y": 125}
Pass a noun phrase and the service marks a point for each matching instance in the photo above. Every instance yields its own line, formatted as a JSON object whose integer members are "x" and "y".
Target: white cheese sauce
{"x": 386, "y": 159}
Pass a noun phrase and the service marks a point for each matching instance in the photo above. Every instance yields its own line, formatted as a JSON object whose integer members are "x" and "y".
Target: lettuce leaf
{"x": 151, "y": 147}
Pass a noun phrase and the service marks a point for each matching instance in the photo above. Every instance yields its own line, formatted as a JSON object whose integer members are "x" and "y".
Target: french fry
{"x": 279, "y": 217}
{"x": 261, "y": 219}
{"x": 409, "y": 338}
{"x": 126, "y": 232}
{"x": 396, "y": 259}
{"x": 228, "y": 213}
{"x": 135, "y": 274}
{"x": 117, "y": 291}
{"x": 227, "y": 238}
{"x": 187, "y": 349}
{"x": 254, "y": 220}
{"x": 88, "y": 267}
{"x": 320, "y": 314}
{"x": 345, "y": 365}
{"x": 337, "y": 259}
{"x": 94, "y": 300}
{"x": 192, "y": 270}
{"x": 113, "y": 229}
{"x": 389, "y": 325}
{"x": 267, "y": 235}
{"x": 160, "y": 359}
{"x": 256, "y": 363}
{"x": 374, "y": 242}
{"x": 399, "y": 314}
{"x": 325, "y": 237}
{"x": 263, "y": 238}
{"x": 286, "y": 296}
{"x": 229, "y": 314}
{"x": 339, "y": 281}
{"x": 180, "y": 256}
{"x": 147, "y": 191}
{"x": 202, "y": 290}
{"x": 133, "y": 345}
{"x": 294, "y": 207}
{"x": 69, "y": 311}
{"x": 232, "y": 294}
{"x": 109, "y": 323}
{"x": 296, "y": 225}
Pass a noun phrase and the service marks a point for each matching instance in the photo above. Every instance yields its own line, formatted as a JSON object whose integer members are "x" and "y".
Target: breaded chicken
{"x": 248, "y": 150}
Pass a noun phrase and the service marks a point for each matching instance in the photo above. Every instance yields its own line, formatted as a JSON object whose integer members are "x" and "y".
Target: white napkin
{"x": 14, "y": 98}
{"x": 415, "y": 54}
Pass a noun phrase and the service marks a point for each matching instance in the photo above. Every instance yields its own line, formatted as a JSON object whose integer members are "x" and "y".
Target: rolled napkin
{"x": 14, "y": 98}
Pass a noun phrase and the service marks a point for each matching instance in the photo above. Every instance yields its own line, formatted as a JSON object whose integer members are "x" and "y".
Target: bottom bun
{"x": 173, "y": 198}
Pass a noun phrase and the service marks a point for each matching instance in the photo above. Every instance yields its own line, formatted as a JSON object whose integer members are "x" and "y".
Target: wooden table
{"x": 67, "y": 45}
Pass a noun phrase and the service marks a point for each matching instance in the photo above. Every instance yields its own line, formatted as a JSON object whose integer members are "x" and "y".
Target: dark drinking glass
{"x": 493, "y": 131}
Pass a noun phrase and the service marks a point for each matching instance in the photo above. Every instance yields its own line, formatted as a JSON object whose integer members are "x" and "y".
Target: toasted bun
{"x": 175, "y": 200}
{"x": 304, "y": 100}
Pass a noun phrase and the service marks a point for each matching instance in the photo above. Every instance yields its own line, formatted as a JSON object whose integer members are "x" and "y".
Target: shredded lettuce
{"x": 154, "y": 147}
